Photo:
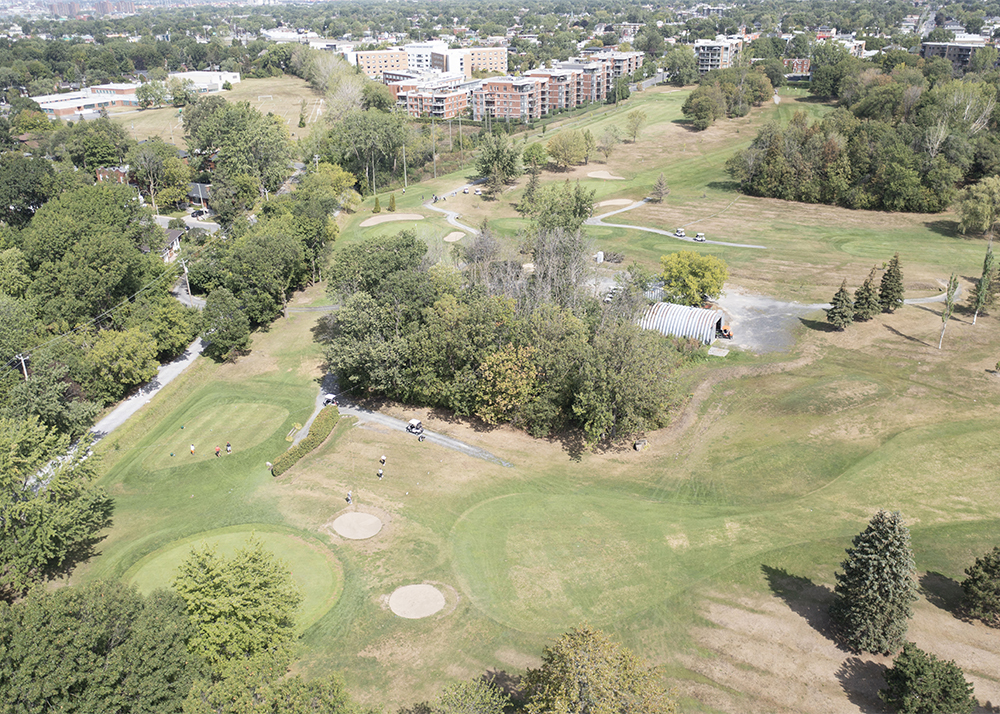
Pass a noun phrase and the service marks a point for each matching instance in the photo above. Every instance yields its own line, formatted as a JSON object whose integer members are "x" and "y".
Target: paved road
{"x": 166, "y": 374}
{"x": 599, "y": 221}
{"x": 453, "y": 215}
{"x": 164, "y": 221}
{"x": 365, "y": 416}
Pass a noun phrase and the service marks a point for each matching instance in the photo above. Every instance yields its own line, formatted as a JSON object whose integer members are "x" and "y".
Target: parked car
{"x": 700, "y": 238}
{"x": 198, "y": 214}
{"x": 679, "y": 233}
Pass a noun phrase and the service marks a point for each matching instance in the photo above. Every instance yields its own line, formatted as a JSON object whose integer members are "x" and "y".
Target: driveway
{"x": 164, "y": 221}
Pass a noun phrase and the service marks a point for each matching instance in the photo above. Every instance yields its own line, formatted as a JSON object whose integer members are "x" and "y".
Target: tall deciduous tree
{"x": 50, "y": 512}
{"x": 567, "y": 148}
{"x": 227, "y": 327}
{"x": 564, "y": 206}
{"x": 472, "y": 697}
{"x": 984, "y": 293}
{"x": 691, "y": 277}
{"x": 682, "y": 66}
{"x": 610, "y": 138}
{"x": 866, "y": 304}
{"x": 841, "y": 312}
{"x": 634, "y": 121}
{"x": 949, "y": 306}
{"x": 979, "y": 207}
{"x": 876, "y": 588}
{"x": 121, "y": 360}
{"x": 920, "y": 683}
{"x": 241, "y": 606}
{"x": 534, "y": 157}
{"x": 982, "y": 587}
{"x": 585, "y": 672}
{"x": 890, "y": 291}
{"x": 498, "y": 159}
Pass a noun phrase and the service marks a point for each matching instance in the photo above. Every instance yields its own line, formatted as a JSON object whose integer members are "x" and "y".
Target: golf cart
{"x": 329, "y": 399}
{"x": 415, "y": 427}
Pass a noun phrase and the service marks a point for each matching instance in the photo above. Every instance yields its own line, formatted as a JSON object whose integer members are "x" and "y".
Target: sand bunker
{"x": 357, "y": 526}
{"x": 416, "y": 601}
{"x": 375, "y": 220}
{"x": 617, "y": 202}
{"x": 454, "y": 236}
{"x": 601, "y": 175}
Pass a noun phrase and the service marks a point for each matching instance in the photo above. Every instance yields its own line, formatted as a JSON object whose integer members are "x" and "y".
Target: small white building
{"x": 205, "y": 82}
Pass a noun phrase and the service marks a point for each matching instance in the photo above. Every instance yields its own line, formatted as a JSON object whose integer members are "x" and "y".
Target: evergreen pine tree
{"x": 866, "y": 304}
{"x": 392, "y": 203}
{"x": 920, "y": 683}
{"x": 890, "y": 292}
{"x": 528, "y": 199}
{"x": 841, "y": 312}
{"x": 660, "y": 189}
{"x": 984, "y": 294}
{"x": 876, "y": 588}
{"x": 376, "y": 208}
{"x": 982, "y": 588}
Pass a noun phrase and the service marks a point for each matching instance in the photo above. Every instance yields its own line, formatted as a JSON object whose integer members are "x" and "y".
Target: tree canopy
{"x": 690, "y": 278}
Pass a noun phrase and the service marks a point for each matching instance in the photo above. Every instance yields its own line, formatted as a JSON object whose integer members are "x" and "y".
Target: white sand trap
{"x": 357, "y": 526}
{"x": 601, "y": 175}
{"x": 375, "y": 220}
{"x": 617, "y": 202}
{"x": 416, "y": 601}
{"x": 454, "y": 236}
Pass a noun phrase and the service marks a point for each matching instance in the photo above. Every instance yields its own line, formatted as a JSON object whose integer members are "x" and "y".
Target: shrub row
{"x": 319, "y": 431}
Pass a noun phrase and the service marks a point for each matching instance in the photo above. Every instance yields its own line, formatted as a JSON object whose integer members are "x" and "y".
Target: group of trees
{"x": 727, "y": 93}
{"x": 873, "y": 607}
{"x": 868, "y": 301}
{"x": 906, "y": 136}
{"x": 536, "y": 351}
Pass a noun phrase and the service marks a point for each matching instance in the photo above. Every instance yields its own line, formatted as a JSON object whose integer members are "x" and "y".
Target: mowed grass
{"x": 783, "y": 461}
{"x": 281, "y": 96}
{"x": 312, "y": 566}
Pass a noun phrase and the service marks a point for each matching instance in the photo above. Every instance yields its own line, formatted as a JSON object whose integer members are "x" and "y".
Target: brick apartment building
{"x": 429, "y": 55}
{"x": 509, "y": 98}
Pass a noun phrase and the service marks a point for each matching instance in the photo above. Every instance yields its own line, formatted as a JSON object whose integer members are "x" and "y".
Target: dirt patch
{"x": 454, "y": 236}
{"x": 357, "y": 525}
{"x": 416, "y": 601}
{"x": 777, "y": 654}
{"x": 617, "y": 202}
{"x": 606, "y": 176}
{"x": 376, "y": 220}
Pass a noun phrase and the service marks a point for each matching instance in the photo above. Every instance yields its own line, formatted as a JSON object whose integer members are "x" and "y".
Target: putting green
{"x": 543, "y": 563}
{"x": 315, "y": 570}
{"x": 243, "y": 424}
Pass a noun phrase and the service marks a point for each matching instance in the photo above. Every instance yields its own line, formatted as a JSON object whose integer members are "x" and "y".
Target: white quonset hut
{"x": 683, "y": 321}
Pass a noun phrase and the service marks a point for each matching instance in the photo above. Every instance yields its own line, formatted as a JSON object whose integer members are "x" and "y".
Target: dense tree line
{"x": 539, "y": 352}
{"x": 727, "y": 93}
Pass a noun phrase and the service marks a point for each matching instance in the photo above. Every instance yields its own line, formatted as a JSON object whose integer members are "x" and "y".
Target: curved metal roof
{"x": 682, "y": 321}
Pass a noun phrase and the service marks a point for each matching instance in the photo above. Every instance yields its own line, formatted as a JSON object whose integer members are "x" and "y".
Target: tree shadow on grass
{"x": 819, "y": 325}
{"x": 944, "y": 593}
{"x": 733, "y": 186}
{"x": 510, "y": 684}
{"x": 897, "y": 333}
{"x": 948, "y": 229}
{"x": 323, "y": 331}
{"x": 861, "y": 681}
{"x": 805, "y": 598}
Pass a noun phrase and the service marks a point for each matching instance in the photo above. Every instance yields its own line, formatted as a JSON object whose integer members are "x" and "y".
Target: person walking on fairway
{"x": 348, "y": 499}
{"x": 382, "y": 460}
{"x": 192, "y": 449}
{"x": 380, "y": 474}
{"x": 217, "y": 451}
{"x": 229, "y": 448}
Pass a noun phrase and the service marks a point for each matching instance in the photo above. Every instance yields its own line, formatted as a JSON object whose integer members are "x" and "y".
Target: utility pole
{"x": 23, "y": 368}
{"x": 461, "y": 142}
{"x": 404, "y": 167}
{"x": 434, "y": 150}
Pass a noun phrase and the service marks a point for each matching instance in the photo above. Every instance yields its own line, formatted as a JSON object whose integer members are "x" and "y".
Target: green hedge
{"x": 319, "y": 431}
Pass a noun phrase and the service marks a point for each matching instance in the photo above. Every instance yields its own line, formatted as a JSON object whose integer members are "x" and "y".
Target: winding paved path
{"x": 365, "y": 416}
{"x": 452, "y": 216}
{"x": 599, "y": 221}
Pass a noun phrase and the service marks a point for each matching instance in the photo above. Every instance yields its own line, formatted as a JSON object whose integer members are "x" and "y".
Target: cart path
{"x": 599, "y": 221}
{"x": 365, "y": 416}
{"x": 452, "y": 216}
